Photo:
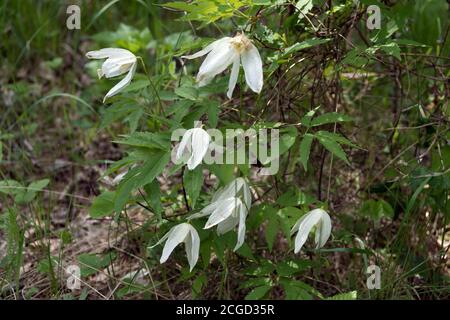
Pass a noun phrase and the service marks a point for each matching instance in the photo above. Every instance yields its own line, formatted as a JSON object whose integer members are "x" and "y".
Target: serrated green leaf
{"x": 140, "y": 176}
{"x": 147, "y": 140}
{"x": 336, "y": 137}
{"x": 334, "y": 147}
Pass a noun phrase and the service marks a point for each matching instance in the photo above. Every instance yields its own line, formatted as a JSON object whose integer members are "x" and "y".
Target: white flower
{"x": 316, "y": 218}
{"x": 227, "y": 210}
{"x": 236, "y": 188}
{"x": 186, "y": 233}
{"x": 226, "y": 51}
{"x": 118, "y": 61}
{"x": 193, "y": 147}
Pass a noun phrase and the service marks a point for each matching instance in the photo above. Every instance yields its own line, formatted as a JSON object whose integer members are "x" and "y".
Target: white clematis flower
{"x": 183, "y": 232}
{"x": 227, "y": 51}
{"x": 118, "y": 61}
{"x": 227, "y": 210}
{"x": 316, "y": 218}
{"x": 236, "y": 188}
{"x": 193, "y": 147}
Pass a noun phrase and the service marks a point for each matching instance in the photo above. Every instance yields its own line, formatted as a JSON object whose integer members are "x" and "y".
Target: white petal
{"x": 116, "y": 66}
{"x": 109, "y": 53}
{"x": 184, "y": 146}
{"x": 163, "y": 238}
{"x": 228, "y": 224}
{"x": 199, "y": 146}
{"x": 175, "y": 238}
{"x": 231, "y": 189}
{"x": 241, "y": 228}
{"x": 122, "y": 83}
{"x": 206, "y": 211}
{"x": 305, "y": 227}
{"x": 207, "y": 49}
{"x": 216, "y": 62}
{"x": 235, "y": 188}
{"x": 223, "y": 211}
{"x": 323, "y": 230}
{"x": 247, "y": 194}
{"x": 297, "y": 224}
{"x": 218, "y": 194}
{"x": 192, "y": 244}
{"x": 251, "y": 61}
{"x": 233, "y": 76}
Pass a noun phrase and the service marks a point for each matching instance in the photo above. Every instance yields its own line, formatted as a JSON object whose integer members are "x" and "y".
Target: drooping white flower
{"x": 193, "y": 147}
{"x": 227, "y": 51}
{"x": 118, "y": 61}
{"x": 186, "y": 233}
{"x": 315, "y": 218}
{"x": 236, "y": 188}
{"x": 227, "y": 210}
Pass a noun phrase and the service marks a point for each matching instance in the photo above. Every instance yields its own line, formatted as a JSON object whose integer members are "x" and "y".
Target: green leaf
{"x": 140, "y": 176}
{"x": 256, "y": 282}
{"x": 91, "y": 263}
{"x": 193, "y": 181}
{"x": 32, "y": 189}
{"x": 294, "y": 197}
{"x": 304, "y": 45}
{"x": 38, "y": 185}
{"x": 334, "y": 147}
{"x": 287, "y": 218}
{"x": 290, "y": 268}
{"x": 271, "y": 229}
{"x": 336, "y": 137}
{"x": 189, "y": 93}
{"x": 304, "y": 6}
{"x": 287, "y": 139}
{"x": 258, "y": 293}
{"x": 153, "y": 190}
{"x": 198, "y": 284}
{"x": 305, "y": 148}
{"x": 11, "y": 187}
{"x": 246, "y": 252}
{"x": 103, "y": 205}
{"x": 262, "y": 269}
{"x": 213, "y": 113}
{"x": 147, "y": 140}
{"x": 376, "y": 209}
{"x": 352, "y": 295}
{"x": 225, "y": 172}
{"x": 391, "y": 49}
{"x": 295, "y": 290}
{"x": 331, "y": 117}
{"x": 205, "y": 252}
